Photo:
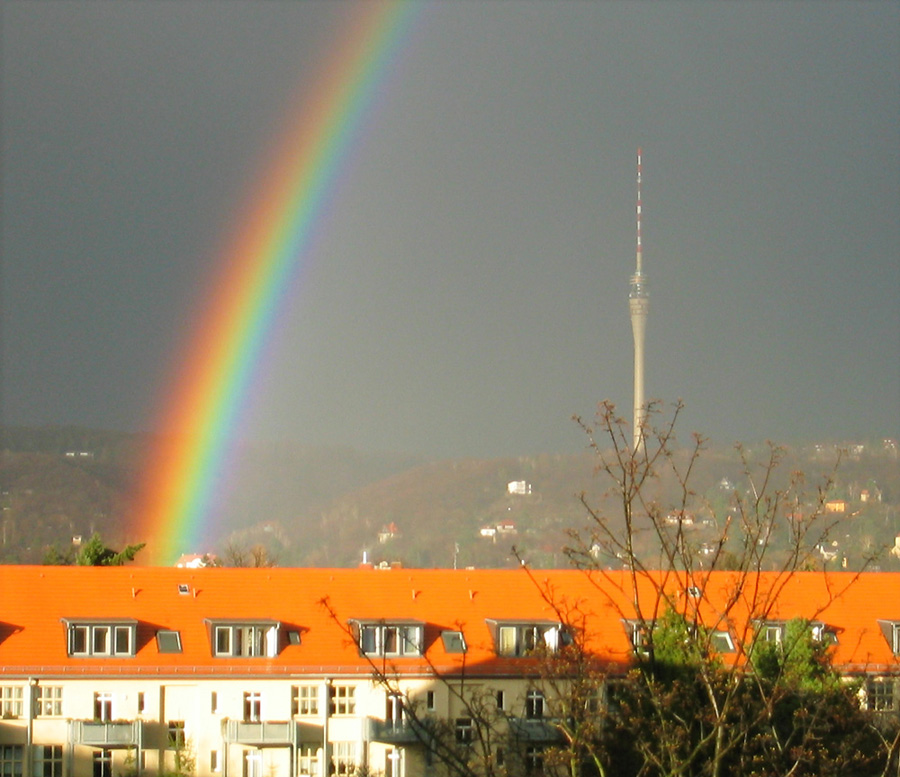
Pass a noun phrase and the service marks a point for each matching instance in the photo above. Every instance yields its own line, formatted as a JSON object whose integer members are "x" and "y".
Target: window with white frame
{"x": 394, "y": 710}
{"x": 103, "y": 703}
{"x": 534, "y": 759}
{"x": 47, "y": 761}
{"x": 822, "y": 632}
{"x": 343, "y": 699}
{"x": 252, "y": 706}
{"x": 12, "y": 759}
{"x": 101, "y": 638}
{"x": 534, "y": 705}
{"x": 244, "y": 639}
{"x": 253, "y": 763}
{"x": 11, "y": 701}
{"x": 343, "y": 758}
{"x": 639, "y": 634}
{"x": 176, "y": 738}
{"x": 393, "y": 766}
{"x": 464, "y": 730}
{"x": 390, "y": 638}
{"x": 772, "y": 631}
{"x": 305, "y": 699}
{"x": 103, "y": 763}
{"x": 522, "y": 639}
{"x": 48, "y": 700}
{"x": 307, "y": 760}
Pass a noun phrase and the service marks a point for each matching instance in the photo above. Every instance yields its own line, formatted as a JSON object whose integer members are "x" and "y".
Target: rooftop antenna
{"x": 638, "y": 303}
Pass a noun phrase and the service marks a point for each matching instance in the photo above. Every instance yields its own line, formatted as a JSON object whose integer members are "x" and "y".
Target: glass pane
{"x": 79, "y": 639}
{"x": 507, "y": 641}
{"x": 101, "y": 639}
{"x": 390, "y": 639}
{"x": 223, "y": 640}
{"x": 368, "y": 639}
{"x": 123, "y": 640}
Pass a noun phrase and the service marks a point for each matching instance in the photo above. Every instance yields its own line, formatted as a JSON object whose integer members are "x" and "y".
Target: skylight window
{"x": 721, "y": 642}
{"x": 168, "y": 641}
{"x": 454, "y": 641}
{"x": 891, "y": 631}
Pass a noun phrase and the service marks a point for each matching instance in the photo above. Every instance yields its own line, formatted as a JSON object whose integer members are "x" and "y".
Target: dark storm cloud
{"x": 470, "y": 292}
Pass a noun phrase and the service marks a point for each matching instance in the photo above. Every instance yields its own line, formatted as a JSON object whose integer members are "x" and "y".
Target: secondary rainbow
{"x": 274, "y": 238}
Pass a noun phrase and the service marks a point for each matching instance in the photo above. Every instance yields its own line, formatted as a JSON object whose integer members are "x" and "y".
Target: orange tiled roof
{"x": 35, "y": 600}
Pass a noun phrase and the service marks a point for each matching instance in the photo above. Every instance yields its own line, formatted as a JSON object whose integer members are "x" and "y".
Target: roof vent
{"x": 184, "y": 589}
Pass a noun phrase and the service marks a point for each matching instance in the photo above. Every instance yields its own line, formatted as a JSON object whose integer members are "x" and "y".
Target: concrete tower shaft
{"x": 638, "y": 303}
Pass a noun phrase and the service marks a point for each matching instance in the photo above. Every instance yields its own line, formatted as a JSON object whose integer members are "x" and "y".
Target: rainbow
{"x": 275, "y": 236}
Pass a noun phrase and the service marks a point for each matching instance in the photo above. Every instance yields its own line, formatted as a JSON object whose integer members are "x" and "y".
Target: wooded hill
{"x": 329, "y": 506}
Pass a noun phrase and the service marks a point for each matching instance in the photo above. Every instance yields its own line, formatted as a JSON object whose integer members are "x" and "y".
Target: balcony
{"x": 261, "y": 733}
{"x": 106, "y": 734}
{"x": 541, "y": 730}
{"x": 395, "y": 732}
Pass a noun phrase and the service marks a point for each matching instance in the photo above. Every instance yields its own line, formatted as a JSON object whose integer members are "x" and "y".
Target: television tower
{"x": 638, "y": 302}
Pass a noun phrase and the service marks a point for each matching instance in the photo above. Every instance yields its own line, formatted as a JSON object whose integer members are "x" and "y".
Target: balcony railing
{"x": 261, "y": 732}
{"x": 106, "y": 734}
{"x": 394, "y": 732}
{"x": 534, "y": 729}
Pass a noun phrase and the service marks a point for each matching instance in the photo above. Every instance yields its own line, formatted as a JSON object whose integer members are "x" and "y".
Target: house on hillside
{"x": 518, "y": 488}
{"x": 388, "y": 533}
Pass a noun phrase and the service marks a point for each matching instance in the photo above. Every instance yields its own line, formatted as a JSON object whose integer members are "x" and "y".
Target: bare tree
{"x": 255, "y": 556}
{"x": 685, "y": 708}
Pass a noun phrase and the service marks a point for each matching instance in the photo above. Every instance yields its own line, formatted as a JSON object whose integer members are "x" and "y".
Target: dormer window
{"x": 389, "y": 638}
{"x": 771, "y": 631}
{"x": 517, "y": 638}
{"x": 244, "y": 639}
{"x": 100, "y": 638}
{"x": 639, "y": 636}
{"x": 821, "y": 632}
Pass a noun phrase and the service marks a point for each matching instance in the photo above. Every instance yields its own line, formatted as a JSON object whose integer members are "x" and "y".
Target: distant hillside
{"x": 61, "y": 482}
{"x": 432, "y": 515}
{"x": 330, "y": 506}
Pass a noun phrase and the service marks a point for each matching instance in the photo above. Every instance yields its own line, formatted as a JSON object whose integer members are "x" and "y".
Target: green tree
{"x": 95, "y": 553}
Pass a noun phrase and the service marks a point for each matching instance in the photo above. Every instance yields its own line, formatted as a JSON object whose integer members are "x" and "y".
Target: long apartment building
{"x": 252, "y": 672}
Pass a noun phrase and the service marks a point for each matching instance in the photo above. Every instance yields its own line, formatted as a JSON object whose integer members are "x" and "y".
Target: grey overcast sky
{"x": 469, "y": 293}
